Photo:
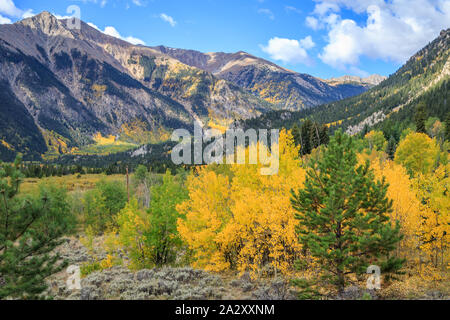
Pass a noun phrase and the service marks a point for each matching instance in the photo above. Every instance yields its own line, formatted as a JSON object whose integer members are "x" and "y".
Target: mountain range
{"x": 62, "y": 89}
{"x": 391, "y": 105}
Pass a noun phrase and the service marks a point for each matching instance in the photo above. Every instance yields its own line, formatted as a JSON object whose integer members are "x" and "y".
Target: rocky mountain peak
{"x": 372, "y": 80}
{"x": 48, "y": 24}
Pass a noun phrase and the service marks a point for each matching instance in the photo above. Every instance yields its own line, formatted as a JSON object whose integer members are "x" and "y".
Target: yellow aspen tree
{"x": 406, "y": 207}
{"x": 207, "y": 212}
{"x": 248, "y": 222}
{"x": 418, "y": 153}
{"x": 433, "y": 190}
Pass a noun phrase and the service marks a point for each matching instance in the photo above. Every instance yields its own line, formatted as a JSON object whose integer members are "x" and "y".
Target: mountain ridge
{"x": 77, "y": 84}
{"x": 262, "y": 78}
{"x": 423, "y": 79}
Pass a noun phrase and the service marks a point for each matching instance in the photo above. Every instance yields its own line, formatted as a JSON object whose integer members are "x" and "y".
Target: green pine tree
{"x": 305, "y": 133}
{"x": 391, "y": 148}
{"x": 324, "y": 137}
{"x": 30, "y": 228}
{"x": 420, "y": 118}
{"x": 296, "y": 134}
{"x": 343, "y": 215}
{"x": 314, "y": 135}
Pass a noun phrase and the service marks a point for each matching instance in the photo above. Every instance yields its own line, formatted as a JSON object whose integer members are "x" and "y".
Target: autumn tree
{"x": 343, "y": 215}
{"x": 30, "y": 229}
{"x": 142, "y": 182}
{"x": 417, "y": 153}
{"x": 238, "y": 219}
{"x": 434, "y": 231}
{"x": 406, "y": 208}
{"x": 375, "y": 140}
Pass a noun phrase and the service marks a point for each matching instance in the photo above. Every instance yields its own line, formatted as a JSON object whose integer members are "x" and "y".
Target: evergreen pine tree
{"x": 324, "y": 137}
{"x": 306, "y": 137}
{"x": 314, "y": 136}
{"x": 420, "y": 117}
{"x": 391, "y": 148}
{"x": 30, "y": 228}
{"x": 296, "y": 134}
{"x": 447, "y": 127}
{"x": 343, "y": 215}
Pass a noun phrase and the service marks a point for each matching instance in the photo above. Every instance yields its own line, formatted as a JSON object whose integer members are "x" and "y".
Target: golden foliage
{"x": 100, "y": 140}
{"x": 241, "y": 219}
{"x": 417, "y": 153}
{"x": 422, "y": 206}
{"x": 6, "y": 144}
{"x": 435, "y": 228}
{"x": 406, "y": 206}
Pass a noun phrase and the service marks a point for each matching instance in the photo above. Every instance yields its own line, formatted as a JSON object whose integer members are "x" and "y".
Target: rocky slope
{"x": 62, "y": 86}
{"x": 282, "y": 87}
{"x": 68, "y": 89}
{"x": 370, "y": 81}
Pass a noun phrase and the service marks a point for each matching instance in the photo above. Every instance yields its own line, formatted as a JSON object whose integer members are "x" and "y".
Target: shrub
{"x": 102, "y": 204}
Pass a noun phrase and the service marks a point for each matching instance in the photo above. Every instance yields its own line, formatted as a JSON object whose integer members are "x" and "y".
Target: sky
{"x": 324, "y": 38}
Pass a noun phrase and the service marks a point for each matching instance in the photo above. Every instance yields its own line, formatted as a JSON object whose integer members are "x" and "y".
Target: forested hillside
{"x": 423, "y": 79}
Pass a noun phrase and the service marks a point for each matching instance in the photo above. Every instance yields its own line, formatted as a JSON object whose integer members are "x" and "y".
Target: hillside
{"x": 370, "y": 81}
{"x": 284, "y": 88}
{"x": 424, "y": 78}
{"x": 72, "y": 88}
{"x": 73, "y": 85}
{"x": 69, "y": 90}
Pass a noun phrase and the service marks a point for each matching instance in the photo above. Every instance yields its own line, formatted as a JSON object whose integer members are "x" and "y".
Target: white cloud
{"x": 101, "y": 2}
{"x": 324, "y": 7}
{"x": 59, "y": 17}
{"x": 93, "y": 26}
{"x": 139, "y": 3}
{"x": 8, "y": 8}
{"x": 293, "y": 9}
{"x": 289, "y": 51}
{"x": 4, "y": 20}
{"x": 307, "y": 43}
{"x": 267, "y": 13}
{"x": 393, "y": 31}
{"x": 168, "y": 19}
{"x": 313, "y": 23}
{"x": 111, "y": 31}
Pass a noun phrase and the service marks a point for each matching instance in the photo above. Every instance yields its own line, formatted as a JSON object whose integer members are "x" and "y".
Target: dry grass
{"x": 71, "y": 182}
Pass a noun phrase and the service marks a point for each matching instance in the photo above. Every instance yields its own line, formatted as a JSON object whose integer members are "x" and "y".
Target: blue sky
{"x": 325, "y": 38}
